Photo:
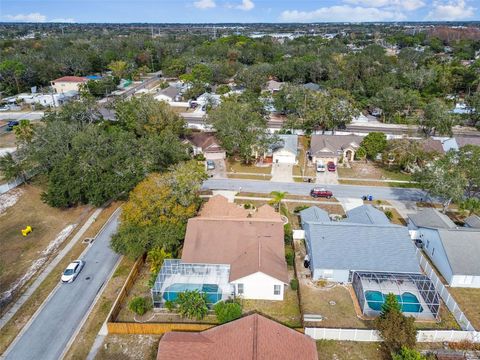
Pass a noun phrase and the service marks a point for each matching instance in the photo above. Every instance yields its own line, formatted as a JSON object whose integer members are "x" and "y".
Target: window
{"x": 276, "y": 289}
{"x": 240, "y": 289}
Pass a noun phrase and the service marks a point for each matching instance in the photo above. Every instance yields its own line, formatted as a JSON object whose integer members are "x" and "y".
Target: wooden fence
{"x": 153, "y": 328}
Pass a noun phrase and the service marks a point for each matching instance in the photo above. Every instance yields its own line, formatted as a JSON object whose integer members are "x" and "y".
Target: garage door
{"x": 215, "y": 155}
{"x": 284, "y": 159}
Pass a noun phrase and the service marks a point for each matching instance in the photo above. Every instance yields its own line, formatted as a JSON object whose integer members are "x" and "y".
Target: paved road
{"x": 50, "y": 331}
{"x": 344, "y": 191}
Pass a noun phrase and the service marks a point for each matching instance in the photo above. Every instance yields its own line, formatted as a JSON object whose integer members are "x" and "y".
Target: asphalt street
{"x": 344, "y": 191}
{"x": 48, "y": 334}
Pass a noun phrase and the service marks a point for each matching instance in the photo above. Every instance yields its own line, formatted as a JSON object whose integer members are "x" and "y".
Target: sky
{"x": 238, "y": 11}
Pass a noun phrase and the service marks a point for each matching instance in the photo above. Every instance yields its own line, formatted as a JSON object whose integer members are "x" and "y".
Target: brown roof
{"x": 251, "y": 337}
{"x": 71, "y": 79}
{"x": 431, "y": 145}
{"x": 333, "y": 144}
{"x": 464, "y": 140}
{"x": 206, "y": 141}
{"x": 224, "y": 234}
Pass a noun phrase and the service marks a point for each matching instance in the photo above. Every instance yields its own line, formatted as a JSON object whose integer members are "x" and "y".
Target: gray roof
{"x": 367, "y": 214}
{"x": 170, "y": 91}
{"x": 287, "y": 142}
{"x": 346, "y": 246}
{"x": 462, "y": 247}
{"x": 315, "y": 214}
{"x": 311, "y": 86}
{"x": 431, "y": 218}
{"x": 473, "y": 221}
{"x": 333, "y": 144}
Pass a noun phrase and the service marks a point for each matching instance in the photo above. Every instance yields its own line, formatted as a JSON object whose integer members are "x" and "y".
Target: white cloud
{"x": 408, "y": 5}
{"x": 341, "y": 13}
{"x": 62, "y": 20}
{"x": 32, "y": 17}
{"x": 246, "y": 5}
{"x": 451, "y": 11}
{"x": 204, "y": 4}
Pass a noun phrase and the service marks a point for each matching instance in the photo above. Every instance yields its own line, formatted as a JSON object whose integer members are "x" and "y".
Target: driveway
{"x": 47, "y": 335}
{"x": 220, "y": 171}
{"x": 282, "y": 172}
{"x": 346, "y": 191}
{"x": 327, "y": 178}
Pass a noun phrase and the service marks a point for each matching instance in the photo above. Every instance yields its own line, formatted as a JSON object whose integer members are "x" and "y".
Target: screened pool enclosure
{"x": 415, "y": 293}
{"x": 176, "y": 277}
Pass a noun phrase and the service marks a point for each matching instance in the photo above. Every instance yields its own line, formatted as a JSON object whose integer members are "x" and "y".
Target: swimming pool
{"x": 408, "y": 301}
{"x": 213, "y": 294}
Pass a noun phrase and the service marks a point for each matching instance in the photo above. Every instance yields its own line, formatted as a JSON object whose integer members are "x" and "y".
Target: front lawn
{"x": 234, "y": 166}
{"x": 372, "y": 171}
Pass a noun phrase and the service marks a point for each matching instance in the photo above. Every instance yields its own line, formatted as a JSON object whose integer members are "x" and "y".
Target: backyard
{"x": 124, "y": 347}
{"x": 469, "y": 301}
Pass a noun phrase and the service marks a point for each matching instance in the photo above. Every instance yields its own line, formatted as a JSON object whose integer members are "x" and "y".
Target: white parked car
{"x": 320, "y": 167}
{"x": 72, "y": 271}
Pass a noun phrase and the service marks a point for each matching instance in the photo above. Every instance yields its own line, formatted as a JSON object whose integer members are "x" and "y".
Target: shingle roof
{"x": 470, "y": 140}
{"x": 204, "y": 140}
{"x": 71, "y": 79}
{"x": 341, "y": 245}
{"x": 432, "y": 145}
{"x": 473, "y": 221}
{"x": 462, "y": 247}
{"x": 170, "y": 91}
{"x": 431, "y": 218}
{"x": 314, "y": 213}
{"x": 287, "y": 142}
{"x": 224, "y": 234}
{"x": 366, "y": 214}
{"x": 251, "y": 337}
{"x": 311, "y": 86}
{"x": 333, "y": 144}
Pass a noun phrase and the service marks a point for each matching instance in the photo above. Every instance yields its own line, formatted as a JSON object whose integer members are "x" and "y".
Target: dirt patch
{"x": 127, "y": 347}
{"x": 9, "y": 199}
{"x": 21, "y": 257}
{"x": 348, "y": 350}
{"x": 7, "y": 139}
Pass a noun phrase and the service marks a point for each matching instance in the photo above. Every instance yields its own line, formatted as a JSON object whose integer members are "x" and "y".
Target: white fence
{"x": 444, "y": 294}
{"x": 10, "y": 185}
{"x": 372, "y": 335}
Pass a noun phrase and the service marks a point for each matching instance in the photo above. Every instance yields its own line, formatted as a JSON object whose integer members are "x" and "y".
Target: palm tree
{"x": 24, "y": 131}
{"x": 277, "y": 200}
{"x": 155, "y": 257}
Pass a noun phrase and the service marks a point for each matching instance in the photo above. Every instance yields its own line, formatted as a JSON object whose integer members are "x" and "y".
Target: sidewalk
{"x": 43, "y": 275}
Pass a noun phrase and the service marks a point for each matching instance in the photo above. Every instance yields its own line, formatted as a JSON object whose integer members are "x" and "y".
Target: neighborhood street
{"x": 344, "y": 191}
{"x": 48, "y": 334}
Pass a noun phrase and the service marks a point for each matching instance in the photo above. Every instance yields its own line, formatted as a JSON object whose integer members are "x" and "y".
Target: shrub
{"x": 300, "y": 208}
{"x": 227, "y": 311}
{"x": 247, "y": 206}
{"x": 388, "y": 214}
{"x": 200, "y": 157}
{"x": 288, "y": 234}
{"x": 170, "y": 305}
{"x": 360, "y": 154}
{"x": 408, "y": 354}
{"x": 192, "y": 304}
{"x": 289, "y": 257}
{"x": 139, "y": 305}
{"x": 294, "y": 284}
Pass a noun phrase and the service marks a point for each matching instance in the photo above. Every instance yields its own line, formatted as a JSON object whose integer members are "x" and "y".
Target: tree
{"x": 24, "y": 131}
{"x": 119, "y": 68}
{"x": 139, "y": 305}
{"x": 11, "y": 72}
{"x": 408, "y": 154}
{"x": 437, "y": 119}
{"x": 192, "y": 304}
{"x": 146, "y": 116}
{"x": 158, "y": 209}
{"x": 10, "y": 168}
{"x": 155, "y": 258}
{"x": 240, "y": 130}
{"x": 374, "y": 143}
{"x": 277, "y": 201}
{"x": 408, "y": 354}
{"x": 227, "y": 311}
{"x": 471, "y": 206}
{"x": 340, "y": 110}
{"x": 394, "y": 328}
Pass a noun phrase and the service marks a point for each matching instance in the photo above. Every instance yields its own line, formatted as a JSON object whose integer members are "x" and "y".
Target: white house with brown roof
{"x": 327, "y": 148}
{"x": 235, "y": 252}
{"x": 68, "y": 83}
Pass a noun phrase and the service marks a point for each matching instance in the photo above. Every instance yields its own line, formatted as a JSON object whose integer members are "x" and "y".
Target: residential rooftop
{"x": 367, "y": 214}
{"x": 431, "y": 218}
{"x": 462, "y": 247}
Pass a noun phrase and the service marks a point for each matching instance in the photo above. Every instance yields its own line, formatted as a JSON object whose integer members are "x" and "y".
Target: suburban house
{"x": 228, "y": 251}
{"x": 455, "y": 251}
{"x": 284, "y": 151}
{"x": 334, "y": 147}
{"x": 68, "y": 83}
{"x": 274, "y": 86}
{"x": 169, "y": 94}
{"x": 372, "y": 254}
{"x": 205, "y": 143}
{"x": 250, "y": 337}
{"x": 473, "y": 221}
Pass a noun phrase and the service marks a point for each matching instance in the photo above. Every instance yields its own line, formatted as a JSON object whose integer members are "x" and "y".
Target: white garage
{"x": 285, "y": 151}
{"x": 215, "y": 155}
{"x": 284, "y": 157}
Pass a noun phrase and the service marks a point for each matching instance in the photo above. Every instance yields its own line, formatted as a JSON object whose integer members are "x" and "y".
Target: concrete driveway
{"x": 282, "y": 172}
{"x": 327, "y": 178}
{"x": 220, "y": 171}
{"x": 47, "y": 335}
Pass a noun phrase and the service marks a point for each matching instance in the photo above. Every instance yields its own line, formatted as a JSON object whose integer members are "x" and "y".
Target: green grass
{"x": 468, "y": 300}
{"x": 239, "y": 167}
{"x": 348, "y": 350}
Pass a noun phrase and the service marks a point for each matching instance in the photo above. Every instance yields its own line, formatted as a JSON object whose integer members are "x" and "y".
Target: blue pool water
{"x": 213, "y": 294}
{"x": 407, "y": 301}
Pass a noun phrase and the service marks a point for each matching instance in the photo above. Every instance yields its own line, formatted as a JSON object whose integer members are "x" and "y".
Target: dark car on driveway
{"x": 320, "y": 193}
{"x": 12, "y": 124}
{"x": 331, "y": 166}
